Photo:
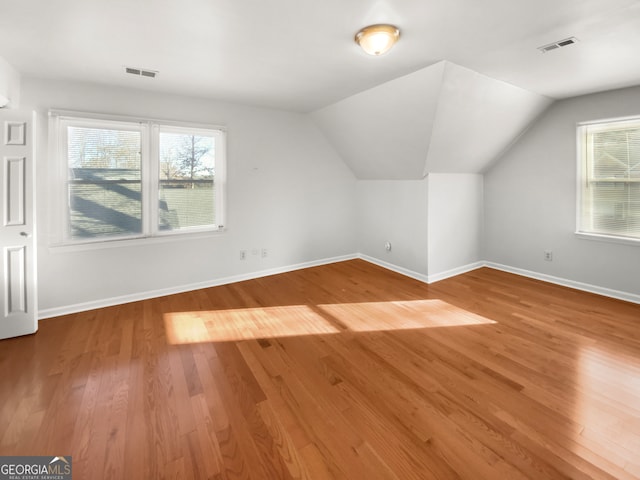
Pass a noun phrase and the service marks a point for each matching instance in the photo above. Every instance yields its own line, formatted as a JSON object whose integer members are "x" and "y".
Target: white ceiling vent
{"x": 141, "y": 72}
{"x": 559, "y": 44}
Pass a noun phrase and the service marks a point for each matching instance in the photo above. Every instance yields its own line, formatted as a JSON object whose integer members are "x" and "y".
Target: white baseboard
{"x": 454, "y": 271}
{"x": 394, "y": 268}
{"x": 607, "y": 292}
{"x": 109, "y": 302}
{"x": 420, "y": 276}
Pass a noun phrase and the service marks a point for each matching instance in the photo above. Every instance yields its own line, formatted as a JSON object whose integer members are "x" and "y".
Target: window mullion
{"x": 63, "y": 179}
{"x": 220, "y": 182}
{"x": 151, "y": 163}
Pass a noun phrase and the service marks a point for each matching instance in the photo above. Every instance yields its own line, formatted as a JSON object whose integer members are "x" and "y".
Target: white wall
{"x": 9, "y": 83}
{"x": 434, "y": 225}
{"x": 288, "y": 191}
{"x": 530, "y": 200}
{"x": 455, "y": 208}
{"x": 394, "y": 211}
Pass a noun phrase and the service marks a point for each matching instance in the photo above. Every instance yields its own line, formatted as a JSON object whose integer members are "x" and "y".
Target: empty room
{"x": 320, "y": 240}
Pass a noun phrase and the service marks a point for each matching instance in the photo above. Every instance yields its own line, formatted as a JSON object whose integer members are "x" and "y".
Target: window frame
{"x": 60, "y": 120}
{"x": 583, "y": 147}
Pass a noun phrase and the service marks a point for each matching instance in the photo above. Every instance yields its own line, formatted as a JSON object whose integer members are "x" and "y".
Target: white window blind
{"x": 187, "y": 196}
{"x": 104, "y": 181}
{"x": 609, "y": 167}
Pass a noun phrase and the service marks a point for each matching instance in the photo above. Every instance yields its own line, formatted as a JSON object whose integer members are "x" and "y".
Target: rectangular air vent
{"x": 141, "y": 72}
{"x": 559, "y": 44}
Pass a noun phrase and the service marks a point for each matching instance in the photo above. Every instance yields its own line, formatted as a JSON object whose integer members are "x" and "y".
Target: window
{"x": 121, "y": 179}
{"x": 609, "y": 176}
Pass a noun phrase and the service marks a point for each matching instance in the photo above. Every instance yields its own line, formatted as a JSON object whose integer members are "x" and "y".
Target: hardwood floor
{"x": 345, "y": 371}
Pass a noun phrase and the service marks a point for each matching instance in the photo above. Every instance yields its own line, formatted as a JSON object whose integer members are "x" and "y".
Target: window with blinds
{"x": 124, "y": 179}
{"x": 609, "y": 168}
{"x": 104, "y": 181}
{"x": 186, "y": 178}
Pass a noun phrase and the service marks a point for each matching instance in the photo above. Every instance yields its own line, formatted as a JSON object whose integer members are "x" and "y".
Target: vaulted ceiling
{"x": 299, "y": 54}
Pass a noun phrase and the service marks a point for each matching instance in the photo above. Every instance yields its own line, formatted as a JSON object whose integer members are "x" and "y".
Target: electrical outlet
{"x": 264, "y": 253}
{"x": 243, "y": 254}
{"x": 548, "y": 255}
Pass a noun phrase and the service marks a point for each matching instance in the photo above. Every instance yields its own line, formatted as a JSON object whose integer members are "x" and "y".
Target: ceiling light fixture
{"x": 377, "y": 39}
{"x": 4, "y": 101}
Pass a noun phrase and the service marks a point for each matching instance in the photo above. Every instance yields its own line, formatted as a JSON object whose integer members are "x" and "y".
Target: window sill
{"x": 608, "y": 238}
{"x": 133, "y": 241}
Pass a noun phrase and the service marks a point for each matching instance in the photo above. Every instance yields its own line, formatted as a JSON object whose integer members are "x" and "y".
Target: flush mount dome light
{"x": 377, "y": 39}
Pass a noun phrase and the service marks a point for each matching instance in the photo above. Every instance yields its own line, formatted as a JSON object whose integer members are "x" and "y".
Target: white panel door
{"x": 18, "y": 315}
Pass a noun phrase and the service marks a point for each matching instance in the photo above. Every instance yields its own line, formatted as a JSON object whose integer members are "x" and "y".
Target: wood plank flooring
{"x": 344, "y": 371}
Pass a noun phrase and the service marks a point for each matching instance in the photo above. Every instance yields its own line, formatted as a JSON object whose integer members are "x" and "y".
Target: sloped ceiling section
{"x": 478, "y": 117}
{"x": 384, "y": 132}
{"x": 442, "y": 119}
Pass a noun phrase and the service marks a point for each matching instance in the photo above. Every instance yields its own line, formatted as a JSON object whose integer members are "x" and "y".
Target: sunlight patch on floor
{"x": 401, "y": 315}
{"x": 245, "y": 324}
{"x": 297, "y": 320}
